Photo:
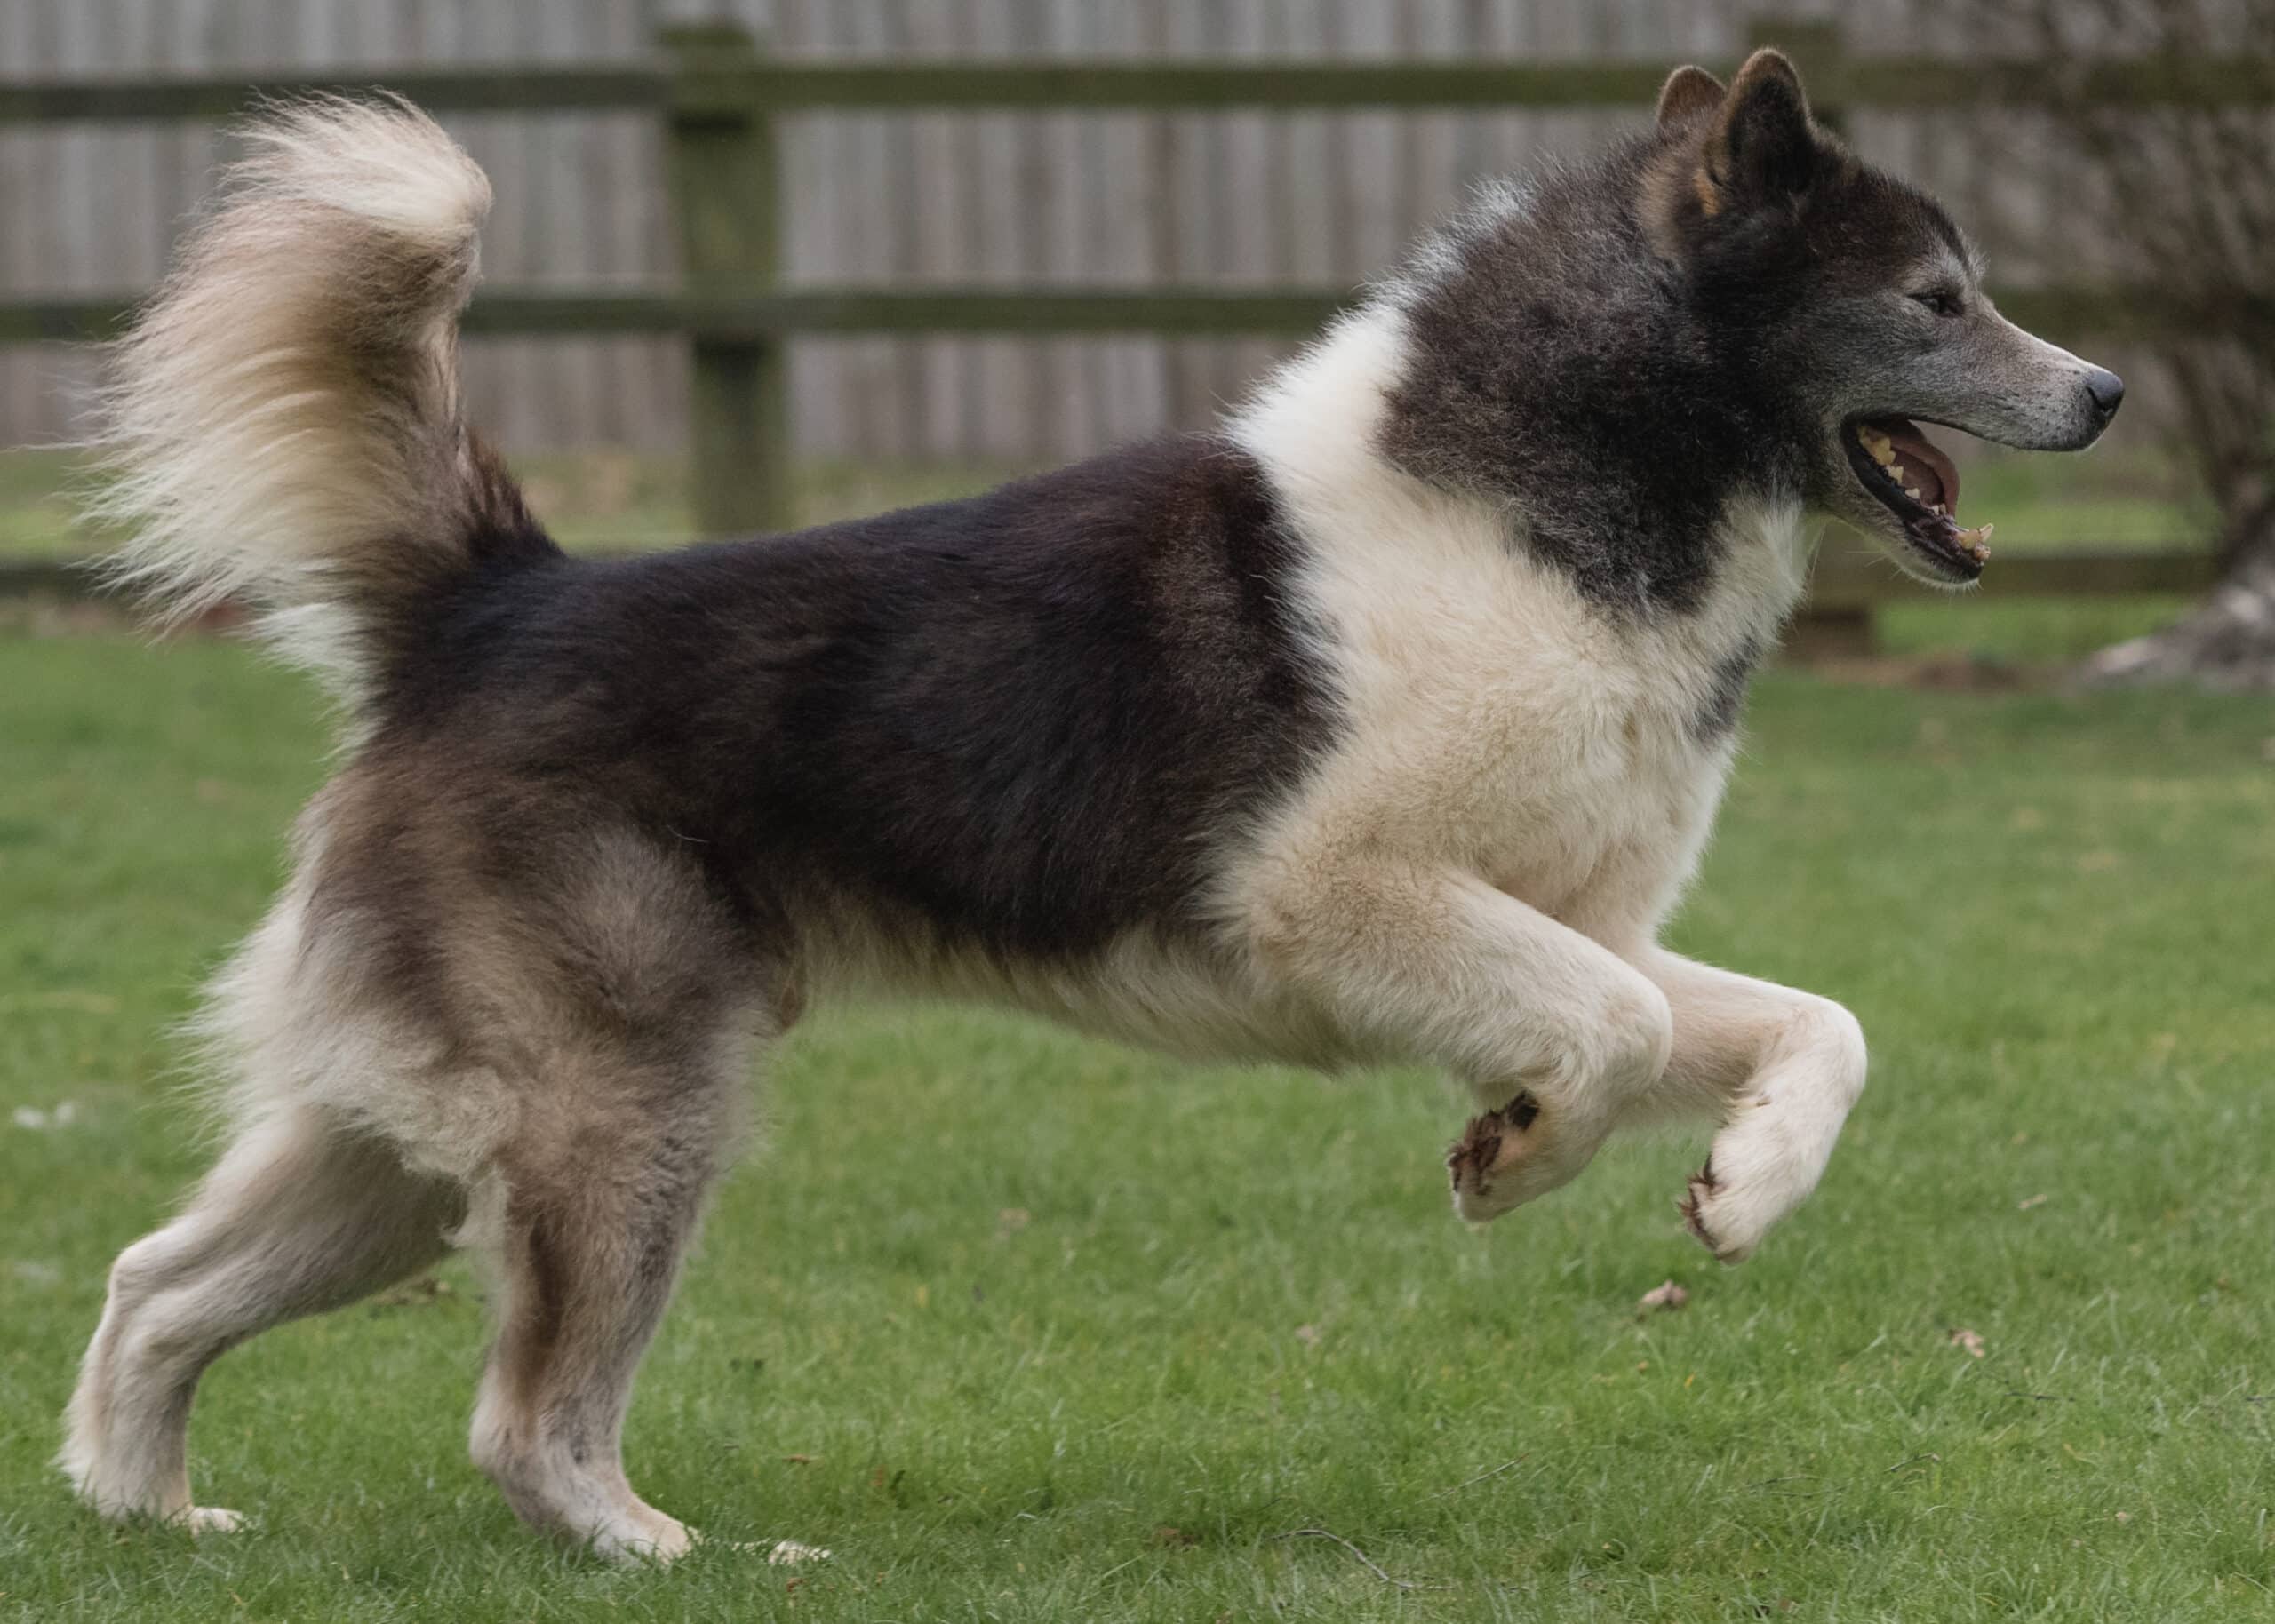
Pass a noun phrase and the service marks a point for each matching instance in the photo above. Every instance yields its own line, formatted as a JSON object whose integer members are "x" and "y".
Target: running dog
{"x": 1386, "y": 722}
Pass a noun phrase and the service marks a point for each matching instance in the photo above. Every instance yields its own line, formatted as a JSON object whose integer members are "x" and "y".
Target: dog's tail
{"x": 281, "y": 425}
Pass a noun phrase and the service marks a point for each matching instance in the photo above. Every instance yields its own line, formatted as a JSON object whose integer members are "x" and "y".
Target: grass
{"x": 2120, "y": 496}
{"x": 36, "y": 507}
{"x": 1029, "y": 1328}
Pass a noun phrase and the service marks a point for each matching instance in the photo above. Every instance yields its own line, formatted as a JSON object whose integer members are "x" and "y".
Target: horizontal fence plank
{"x": 1844, "y": 580}
{"x": 1167, "y": 85}
{"x": 1237, "y": 312}
{"x": 1164, "y": 86}
{"x": 2140, "y": 82}
{"x": 506, "y": 88}
{"x": 1158, "y": 85}
{"x": 2106, "y": 312}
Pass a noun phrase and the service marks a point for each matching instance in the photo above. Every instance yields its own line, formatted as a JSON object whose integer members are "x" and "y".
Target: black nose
{"x": 2107, "y": 389}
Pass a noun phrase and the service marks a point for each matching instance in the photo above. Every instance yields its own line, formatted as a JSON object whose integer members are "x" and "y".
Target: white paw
{"x": 213, "y": 1519}
{"x": 654, "y": 1538}
{"x": 1760, "y": 1170}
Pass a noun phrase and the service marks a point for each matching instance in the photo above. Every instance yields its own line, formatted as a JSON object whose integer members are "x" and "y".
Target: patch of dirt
{"x": 1943, "y": 672}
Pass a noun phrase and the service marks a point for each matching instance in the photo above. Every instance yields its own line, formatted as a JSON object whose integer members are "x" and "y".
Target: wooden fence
{"x": 720, "y": 95}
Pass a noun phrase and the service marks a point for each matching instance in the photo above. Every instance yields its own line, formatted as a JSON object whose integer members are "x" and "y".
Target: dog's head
{"x": 1857, "y": 301}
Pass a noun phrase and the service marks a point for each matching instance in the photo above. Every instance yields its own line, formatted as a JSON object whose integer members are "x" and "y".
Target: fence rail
{"x": 1160, "y": 87}
{"x": 720, "y": 95}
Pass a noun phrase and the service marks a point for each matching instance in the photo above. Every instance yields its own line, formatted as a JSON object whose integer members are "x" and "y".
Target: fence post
{"x": 724, "y": 183}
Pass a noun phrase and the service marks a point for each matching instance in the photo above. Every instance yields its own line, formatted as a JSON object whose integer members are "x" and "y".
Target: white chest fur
{"x": 1498, "y": 721}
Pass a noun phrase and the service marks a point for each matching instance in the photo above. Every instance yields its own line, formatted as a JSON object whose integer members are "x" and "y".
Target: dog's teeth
{"x": 1911, "y": 492}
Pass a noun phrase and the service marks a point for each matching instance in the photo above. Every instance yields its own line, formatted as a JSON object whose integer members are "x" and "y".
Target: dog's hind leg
{"x": 299, "y": 1215}
{"x": 1781, "y": 1068}
{"x": 587, "y": 1225}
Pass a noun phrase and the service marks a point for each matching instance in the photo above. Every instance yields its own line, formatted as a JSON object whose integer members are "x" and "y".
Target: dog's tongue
{"x": 1922, "y": 470}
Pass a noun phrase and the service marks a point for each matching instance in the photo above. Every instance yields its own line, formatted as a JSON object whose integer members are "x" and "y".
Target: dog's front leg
{"x": 1554, "y": 1034}
{"x": 1780, "y": 1068}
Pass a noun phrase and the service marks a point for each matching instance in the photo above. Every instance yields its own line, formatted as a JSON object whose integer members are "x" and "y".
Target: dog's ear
{"x": 1689, "y": 92}
{"x": 1763, "y": 146}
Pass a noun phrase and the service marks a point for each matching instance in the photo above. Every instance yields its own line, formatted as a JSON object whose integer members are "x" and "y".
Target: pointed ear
{"x": 1689, "y": 92}
{"x": 1764, "y": 148}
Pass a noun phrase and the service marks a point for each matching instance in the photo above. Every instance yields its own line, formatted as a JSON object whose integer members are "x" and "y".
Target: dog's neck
{"x": 1553, "y": 359}
{"x": 1319, "y": 427}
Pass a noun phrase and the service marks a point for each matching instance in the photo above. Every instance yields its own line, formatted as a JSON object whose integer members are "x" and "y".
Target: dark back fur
{"x": 1015, "y": 716}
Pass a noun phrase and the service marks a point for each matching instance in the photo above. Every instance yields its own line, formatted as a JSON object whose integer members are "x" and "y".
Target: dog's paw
{"x": 1703, "y": 1215}
{"x": 213, "y": 1519}
{"x": 1757, "y": 1171}
{"x": 1727, "y": 1218}
{"x": 1489, "y": 1146}
{"x": 648, "y": 1537}
{"x": 1516, "y": 1154}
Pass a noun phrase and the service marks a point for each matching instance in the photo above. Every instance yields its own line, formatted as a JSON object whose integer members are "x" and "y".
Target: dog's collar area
{"x": 1911, "y": 476}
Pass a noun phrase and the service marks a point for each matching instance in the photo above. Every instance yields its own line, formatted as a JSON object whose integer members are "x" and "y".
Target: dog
{"x": 1385, "y": 722}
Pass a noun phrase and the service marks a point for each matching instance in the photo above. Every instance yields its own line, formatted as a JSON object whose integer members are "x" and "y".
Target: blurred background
{"x": 2065, "y": 192}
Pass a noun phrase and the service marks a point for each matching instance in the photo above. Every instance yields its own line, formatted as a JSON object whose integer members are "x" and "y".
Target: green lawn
{"x": 1028, "y": 1328}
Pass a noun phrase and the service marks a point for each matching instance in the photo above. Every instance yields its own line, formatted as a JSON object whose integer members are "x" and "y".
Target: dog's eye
{"x": 1939, "y": 301}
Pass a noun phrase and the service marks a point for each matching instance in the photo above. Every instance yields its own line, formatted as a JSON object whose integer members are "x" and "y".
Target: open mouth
{"x": 1915, "y": 482}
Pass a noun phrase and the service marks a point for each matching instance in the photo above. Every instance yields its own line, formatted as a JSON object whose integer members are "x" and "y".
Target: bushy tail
{"x": 281, "y": 426}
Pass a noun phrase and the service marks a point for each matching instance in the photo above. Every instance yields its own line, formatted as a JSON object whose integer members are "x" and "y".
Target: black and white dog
{"x": 1386, "y": 722}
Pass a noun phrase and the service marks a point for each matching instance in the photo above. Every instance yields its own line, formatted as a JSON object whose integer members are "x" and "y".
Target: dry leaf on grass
{"x": 2023, "y": 1206}
{"x": 1663, "y": 1298}
{"x": 1969, "y": 1339}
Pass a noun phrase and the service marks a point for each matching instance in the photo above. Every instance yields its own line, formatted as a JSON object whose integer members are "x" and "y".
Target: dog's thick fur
{"x": 1386, "y": 721}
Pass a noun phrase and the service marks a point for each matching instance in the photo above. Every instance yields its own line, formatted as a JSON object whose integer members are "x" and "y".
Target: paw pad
{"x": 1486, "y": 1144}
